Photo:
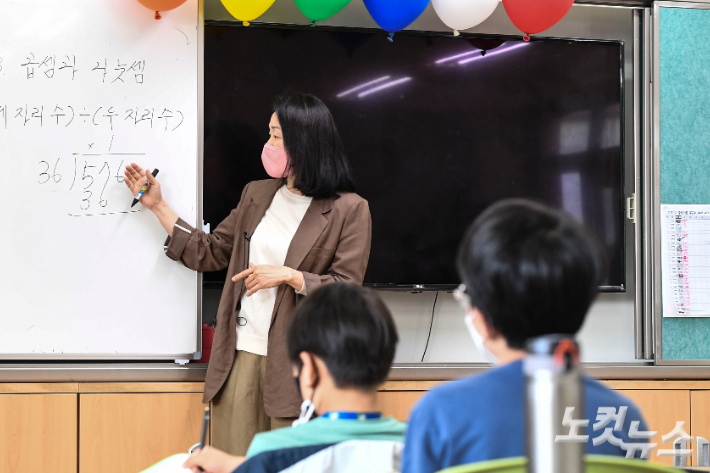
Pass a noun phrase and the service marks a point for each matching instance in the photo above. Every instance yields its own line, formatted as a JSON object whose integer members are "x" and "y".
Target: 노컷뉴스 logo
{"x": 605, "y": 417}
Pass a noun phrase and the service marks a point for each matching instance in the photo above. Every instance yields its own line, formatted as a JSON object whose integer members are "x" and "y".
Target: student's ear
{"x": 482, "y": 326}
{"x": 321, "y": 368}
{"x": 308, "y": 371}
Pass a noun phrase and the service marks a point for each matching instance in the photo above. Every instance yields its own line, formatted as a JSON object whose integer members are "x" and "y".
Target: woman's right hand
{"x": 135, "y": 180}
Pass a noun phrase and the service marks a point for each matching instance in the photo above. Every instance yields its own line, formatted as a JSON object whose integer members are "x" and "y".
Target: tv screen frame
{"x": 212, "y": 281}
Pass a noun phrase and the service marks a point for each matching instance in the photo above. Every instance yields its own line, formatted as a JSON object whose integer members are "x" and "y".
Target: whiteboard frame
{"x": 644, "y": 126}
{"x": 198, "y": 289}
{"x": 200, "y": 150}
{"x": 655, "y": 185}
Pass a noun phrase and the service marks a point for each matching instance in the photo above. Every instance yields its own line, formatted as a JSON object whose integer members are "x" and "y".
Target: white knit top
{"x": 269, "y": 245}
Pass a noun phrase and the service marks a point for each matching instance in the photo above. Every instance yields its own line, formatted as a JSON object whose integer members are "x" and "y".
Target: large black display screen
{"x": 435, "y": 129}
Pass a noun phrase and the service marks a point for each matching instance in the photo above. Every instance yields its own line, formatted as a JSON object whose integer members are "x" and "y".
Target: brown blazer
{"x": 331, "y": 244}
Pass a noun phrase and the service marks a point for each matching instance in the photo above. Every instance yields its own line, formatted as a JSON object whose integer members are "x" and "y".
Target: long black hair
{"x": 316, "y": 154}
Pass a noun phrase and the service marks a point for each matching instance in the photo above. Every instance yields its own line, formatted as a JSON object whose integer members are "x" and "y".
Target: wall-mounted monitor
{"x": 437, "y": 128}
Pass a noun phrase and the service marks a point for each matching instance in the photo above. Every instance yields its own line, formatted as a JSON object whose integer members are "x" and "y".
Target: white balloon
{"x": 464, "y": 14}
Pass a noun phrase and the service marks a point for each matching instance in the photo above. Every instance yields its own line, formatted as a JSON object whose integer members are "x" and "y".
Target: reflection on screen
{"x": 437, "y": 128}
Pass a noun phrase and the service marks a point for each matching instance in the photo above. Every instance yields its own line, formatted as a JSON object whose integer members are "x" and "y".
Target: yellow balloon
{"x": 247, "y": 10}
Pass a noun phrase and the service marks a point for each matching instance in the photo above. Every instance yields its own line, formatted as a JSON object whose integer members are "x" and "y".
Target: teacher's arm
{"x": 196, "y": 249}
{"x": 353, "y": 251}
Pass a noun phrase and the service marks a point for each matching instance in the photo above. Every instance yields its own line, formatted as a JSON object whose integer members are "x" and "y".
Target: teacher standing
{"x": 288, "y": 236}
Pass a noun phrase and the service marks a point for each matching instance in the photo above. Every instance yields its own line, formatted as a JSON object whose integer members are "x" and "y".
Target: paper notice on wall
{"x": 685, "y": 254}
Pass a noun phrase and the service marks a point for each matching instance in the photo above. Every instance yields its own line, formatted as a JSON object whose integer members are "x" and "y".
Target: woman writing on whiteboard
{"x": 288, "y": 235}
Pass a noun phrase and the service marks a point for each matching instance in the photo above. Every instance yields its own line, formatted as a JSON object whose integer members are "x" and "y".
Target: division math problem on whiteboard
{"x": 89, "y": 177}
{"x": 77, "y": 110}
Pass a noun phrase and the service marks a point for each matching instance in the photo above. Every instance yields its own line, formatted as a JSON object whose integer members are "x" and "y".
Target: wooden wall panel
{"x": 38, "y": 432}
{"x": 699, "y": 416}
{"x": 661, "y": 409}
{"x": 126, "y": 433}
{"x": 398, "y": 404}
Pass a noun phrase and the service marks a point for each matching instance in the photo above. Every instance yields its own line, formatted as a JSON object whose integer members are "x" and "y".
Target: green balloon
{"x": 319, "y": 10}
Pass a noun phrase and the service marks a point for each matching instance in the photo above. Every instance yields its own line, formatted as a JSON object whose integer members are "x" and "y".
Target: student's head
{"x": 304, "y": 126}
{"x": 341, "y": 336}
{"x": 528, "y": 270}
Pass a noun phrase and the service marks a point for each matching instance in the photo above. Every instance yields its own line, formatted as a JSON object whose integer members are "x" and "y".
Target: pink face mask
{"x": 275, "y": 160}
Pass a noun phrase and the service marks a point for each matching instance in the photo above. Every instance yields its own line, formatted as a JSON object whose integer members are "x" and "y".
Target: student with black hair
{"x": 289, "y": 235}
{"x": 527, "y": 271}
{"x": 341, "y": 343}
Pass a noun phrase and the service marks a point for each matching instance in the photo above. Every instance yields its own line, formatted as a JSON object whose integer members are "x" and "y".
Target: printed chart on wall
{"x": 686, "y": 260}
{"x": 85, "y": 89}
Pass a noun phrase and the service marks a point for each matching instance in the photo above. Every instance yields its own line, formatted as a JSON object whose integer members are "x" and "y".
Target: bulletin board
{"x": 681, "y": 154}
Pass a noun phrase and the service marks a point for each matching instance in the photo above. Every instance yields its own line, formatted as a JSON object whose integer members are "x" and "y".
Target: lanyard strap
{"x": 340, "y": 415}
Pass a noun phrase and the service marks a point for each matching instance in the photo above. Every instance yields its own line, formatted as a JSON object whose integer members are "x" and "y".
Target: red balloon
{"x": 534, "y": 16}
{"x": 161, "y": 5}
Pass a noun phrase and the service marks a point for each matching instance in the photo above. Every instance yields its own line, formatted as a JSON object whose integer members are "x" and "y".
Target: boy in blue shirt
{"x": 527, "y": 271}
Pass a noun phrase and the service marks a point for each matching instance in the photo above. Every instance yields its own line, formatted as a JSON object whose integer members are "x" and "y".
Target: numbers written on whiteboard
{"x": 88, "y": 175}
{"x": 44, "y": 176}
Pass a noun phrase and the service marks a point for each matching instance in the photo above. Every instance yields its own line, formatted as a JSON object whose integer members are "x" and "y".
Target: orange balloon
{"x": 161, "y": 5}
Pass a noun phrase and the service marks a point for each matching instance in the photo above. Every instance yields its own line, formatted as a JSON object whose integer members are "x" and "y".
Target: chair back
{"x": 592, "y": 464}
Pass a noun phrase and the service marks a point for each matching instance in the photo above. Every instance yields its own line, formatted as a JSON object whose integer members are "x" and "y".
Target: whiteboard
{"x": 86, "y": 87}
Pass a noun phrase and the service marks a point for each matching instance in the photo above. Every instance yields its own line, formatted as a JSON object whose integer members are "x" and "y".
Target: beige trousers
{"x": 238, "y": 409}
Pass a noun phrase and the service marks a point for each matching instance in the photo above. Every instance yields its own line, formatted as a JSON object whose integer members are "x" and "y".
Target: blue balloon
{"x": 395, "y": 15}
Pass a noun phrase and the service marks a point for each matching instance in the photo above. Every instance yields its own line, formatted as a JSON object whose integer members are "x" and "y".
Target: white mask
{"x": 478, "y": 340}
{"x": 307, "y": 411}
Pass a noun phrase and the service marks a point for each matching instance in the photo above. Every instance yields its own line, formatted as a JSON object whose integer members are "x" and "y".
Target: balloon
{"x": 463, "y": 14}
{"x": 535, "y": 16}
{"x": 395, "y": 15}
{"x": 247, "y": 10}
{"x": 319, "y": 10}
{"x": 161, "y": 5}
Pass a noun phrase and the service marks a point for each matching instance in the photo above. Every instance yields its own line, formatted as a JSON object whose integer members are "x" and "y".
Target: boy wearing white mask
{"x": 527, "y": 271}
{"x": 341, "y": 343}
